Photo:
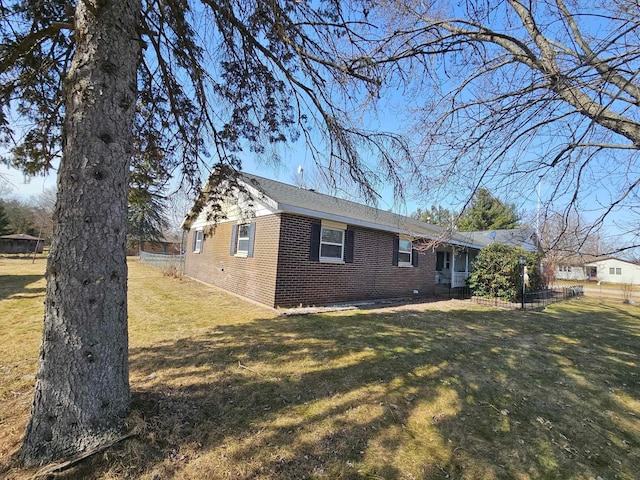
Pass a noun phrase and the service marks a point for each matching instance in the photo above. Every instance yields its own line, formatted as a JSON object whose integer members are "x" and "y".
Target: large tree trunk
{"x": 82, "y": 387}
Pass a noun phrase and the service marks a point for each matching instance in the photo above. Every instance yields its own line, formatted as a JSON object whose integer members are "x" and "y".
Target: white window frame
{"x": 198, "y": 241}
{"x": 612, "y": 271}
{"x": 338, "y": 227}
{"x": 239, "y": 251}
{"x": 618, "y": 271}
{"x": 405, "y": 251}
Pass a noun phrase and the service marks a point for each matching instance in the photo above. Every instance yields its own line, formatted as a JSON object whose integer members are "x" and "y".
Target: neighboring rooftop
{"x": 20, "y": 236}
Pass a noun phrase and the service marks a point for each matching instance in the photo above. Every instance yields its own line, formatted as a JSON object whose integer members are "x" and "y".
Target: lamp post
{"x": 523, "y": 262}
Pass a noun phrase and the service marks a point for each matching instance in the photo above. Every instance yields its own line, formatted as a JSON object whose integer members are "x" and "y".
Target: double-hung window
{"x": 404, "y": 255}
{"x": 331, "y": 244}
{"x": 242, "y": 247}
{"x": 404, "y": 252}
{"x": 243, "y": 239}
{"x": 198, "y": 238}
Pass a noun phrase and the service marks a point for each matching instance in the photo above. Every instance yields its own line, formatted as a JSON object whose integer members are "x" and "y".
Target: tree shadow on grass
{"x": 464, "y": 394}
{"x": 12, "y": 286}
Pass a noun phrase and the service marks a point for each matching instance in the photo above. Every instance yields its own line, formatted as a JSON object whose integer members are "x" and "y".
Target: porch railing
{"x": 459, "y": 279}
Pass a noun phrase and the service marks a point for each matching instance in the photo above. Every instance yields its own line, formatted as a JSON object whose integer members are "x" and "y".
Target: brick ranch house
{"x": 286, "y": 246}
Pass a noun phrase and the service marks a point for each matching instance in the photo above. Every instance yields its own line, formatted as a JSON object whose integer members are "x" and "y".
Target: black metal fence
{"x": 533, "y": 300}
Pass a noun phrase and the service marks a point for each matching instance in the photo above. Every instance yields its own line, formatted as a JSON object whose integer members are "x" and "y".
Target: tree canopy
{"x": 487, "y": 212}
{"x": 523, "y": 92}
{"x": 437, "y": 215}
{"x": 215, "y": 79}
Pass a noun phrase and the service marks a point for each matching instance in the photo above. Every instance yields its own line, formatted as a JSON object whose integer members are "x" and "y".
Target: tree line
{"x": 32, "y": 217}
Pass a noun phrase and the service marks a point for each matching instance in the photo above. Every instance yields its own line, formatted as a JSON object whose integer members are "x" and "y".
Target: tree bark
{"x": 82, "y": 386}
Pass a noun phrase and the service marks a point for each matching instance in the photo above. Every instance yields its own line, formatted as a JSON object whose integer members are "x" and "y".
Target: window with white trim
{"x": 198, "y": 238}
{"x": 242, "y": 246}
{"x": 618, "y": 271}
{"x": 404, "y": 252}
{"x": 331, "y": 244}
{"x": 612, "y": 271}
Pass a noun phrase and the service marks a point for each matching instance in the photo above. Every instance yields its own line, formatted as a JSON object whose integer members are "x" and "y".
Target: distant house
{"x": 162, "y": 246}
{"x": 573, "y": 267}
{"x": 614, "y": 270}
{"x": 286, "y": 246}
{"x": 20, "y": 243}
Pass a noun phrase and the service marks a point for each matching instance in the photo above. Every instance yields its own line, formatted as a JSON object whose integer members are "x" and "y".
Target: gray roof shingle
{"x": 300, "y": 200}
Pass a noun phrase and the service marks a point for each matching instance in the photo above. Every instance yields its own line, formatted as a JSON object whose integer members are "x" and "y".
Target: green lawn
{"x": 226, "y": 389}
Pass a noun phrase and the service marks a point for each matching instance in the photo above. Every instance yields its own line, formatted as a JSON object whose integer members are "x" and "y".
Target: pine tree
{"x": 4, "y": 221}
{"x": 487, "y": 212}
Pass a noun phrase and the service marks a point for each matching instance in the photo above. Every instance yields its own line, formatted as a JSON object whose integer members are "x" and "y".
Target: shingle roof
{"x": 20, "y": 236}
{"x": 512, "y": 237}
{"x": 290, "y": 198}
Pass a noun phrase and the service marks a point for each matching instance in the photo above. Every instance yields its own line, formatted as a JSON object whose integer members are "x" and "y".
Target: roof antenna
{"x": 301, "y": 173}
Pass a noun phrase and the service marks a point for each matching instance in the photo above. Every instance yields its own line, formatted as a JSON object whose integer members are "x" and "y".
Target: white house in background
{"x": 575, "y": 268}
{"x": 571, "y": 271}
{"x": 614, "y": 270}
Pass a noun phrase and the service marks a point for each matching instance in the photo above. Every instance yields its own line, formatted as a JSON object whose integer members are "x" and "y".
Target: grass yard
{"x": 225, "y": 389}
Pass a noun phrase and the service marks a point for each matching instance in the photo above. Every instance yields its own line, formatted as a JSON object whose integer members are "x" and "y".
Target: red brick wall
{"x": 281, "y": 274}
{"x": 253, "y": 277}
{"x": 371, "y": 275}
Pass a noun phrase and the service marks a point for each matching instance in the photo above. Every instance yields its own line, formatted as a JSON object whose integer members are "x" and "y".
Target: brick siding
{"x": 280, "y": 273}
{"x": 371, "y": 275}
{"x": 254, "y": 277}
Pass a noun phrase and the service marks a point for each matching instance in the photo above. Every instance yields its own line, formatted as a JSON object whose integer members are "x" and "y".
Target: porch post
{"x": 453, "y": 267}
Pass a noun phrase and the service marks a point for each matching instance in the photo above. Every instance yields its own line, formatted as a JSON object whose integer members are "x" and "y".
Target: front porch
{"x": 453, "y": 266}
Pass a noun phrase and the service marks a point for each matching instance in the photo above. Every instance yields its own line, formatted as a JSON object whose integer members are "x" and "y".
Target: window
{"x": 242, "y": 239}
{"x": 198, "y": 238}
{"x": 443, "y": 261}
{"x": 618, "y": 271}
{"x": 331, "y": 244}
{"x": 404, "y": 252}
{"x": 242, "y": 246}
{"x": 612, "y": 271}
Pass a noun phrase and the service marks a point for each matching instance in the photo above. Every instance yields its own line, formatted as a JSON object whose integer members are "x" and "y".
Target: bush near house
{"x": 497, "y": 272}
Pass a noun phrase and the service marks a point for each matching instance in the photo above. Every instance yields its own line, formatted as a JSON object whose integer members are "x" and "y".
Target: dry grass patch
{"x": 225, "y": 389}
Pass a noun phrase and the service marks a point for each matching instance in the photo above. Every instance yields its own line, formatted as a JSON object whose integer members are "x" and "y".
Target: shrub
{"x": 497, "y": 272}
